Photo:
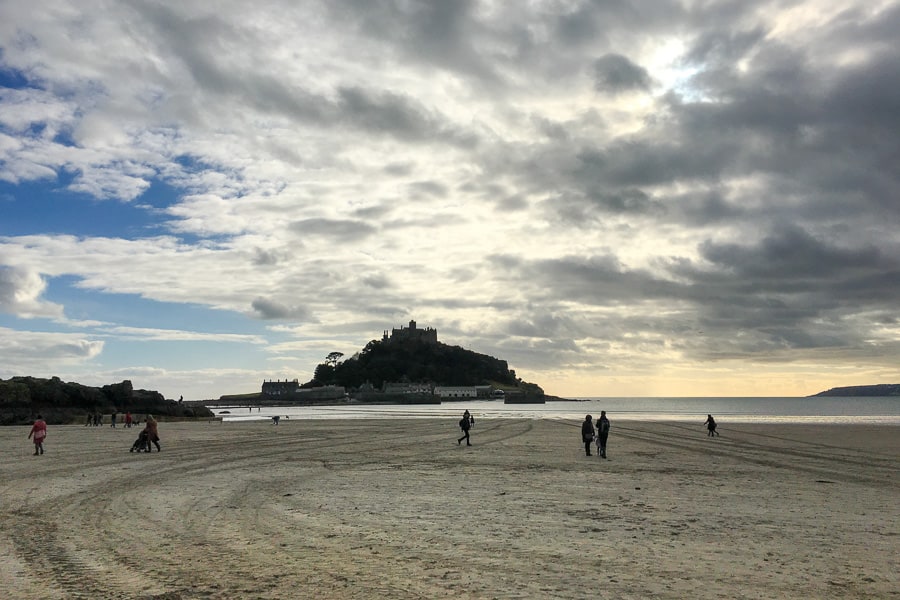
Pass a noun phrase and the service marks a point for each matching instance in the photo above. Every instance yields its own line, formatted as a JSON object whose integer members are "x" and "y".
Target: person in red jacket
{"x": 37, "y": 434}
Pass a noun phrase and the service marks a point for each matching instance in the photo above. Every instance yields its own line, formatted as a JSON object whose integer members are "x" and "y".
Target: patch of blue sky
{"x": 11, "y": 78}
{"x": 47, "y": 207}
{"x": 125, "y": 353}
{"x": 131, "y": 310}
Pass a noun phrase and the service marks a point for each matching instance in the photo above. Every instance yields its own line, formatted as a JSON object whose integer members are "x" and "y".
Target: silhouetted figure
{"x": 464, "y": 425}
{"x": 587, "y": 434}
{"x": 711, "y": 426}
{"x": 602, "y": 433}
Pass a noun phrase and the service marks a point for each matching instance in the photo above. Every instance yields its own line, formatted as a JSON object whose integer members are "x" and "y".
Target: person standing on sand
{"x": 464, "y": 425}
{"x": 128, "y": 420}
{"x": 711, "y": 426}
{"x": 587, "y": 434}
{"x": 152, "y": 433}
{"x": 602, "y": 433}
{"x": 37, "y": 434}
{"x": 113, "y": 424}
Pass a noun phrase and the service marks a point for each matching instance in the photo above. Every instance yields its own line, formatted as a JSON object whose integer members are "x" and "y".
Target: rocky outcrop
{"x": 23, "y": 398}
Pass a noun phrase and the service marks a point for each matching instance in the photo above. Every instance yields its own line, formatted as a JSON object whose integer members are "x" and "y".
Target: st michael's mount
{"x": 408, "y": 365}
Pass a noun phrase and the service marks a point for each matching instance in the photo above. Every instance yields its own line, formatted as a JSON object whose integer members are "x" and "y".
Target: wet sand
{"x": 396, "y": 509}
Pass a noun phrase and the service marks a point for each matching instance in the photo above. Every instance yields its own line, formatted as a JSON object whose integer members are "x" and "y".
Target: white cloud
{"x": 25, "y": 352}
{"x": 20, "y": 294}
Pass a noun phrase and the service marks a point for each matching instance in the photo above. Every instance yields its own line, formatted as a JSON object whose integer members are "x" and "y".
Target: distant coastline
{"x": 879, "y": 390}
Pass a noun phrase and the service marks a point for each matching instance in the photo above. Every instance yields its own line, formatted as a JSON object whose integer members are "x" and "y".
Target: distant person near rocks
{"x": 113, "y": 420}
{"x": 464, "y": 425}
{"x": 37, "y": 434}
{"x": 602, "y": 433}
{"x": 128, "y": 420}
{"x": 711, "y": 426}
{"x": 587, "y": 434}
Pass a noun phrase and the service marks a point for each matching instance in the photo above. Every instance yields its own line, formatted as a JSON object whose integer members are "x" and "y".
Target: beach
{"x": 381, "y": 508}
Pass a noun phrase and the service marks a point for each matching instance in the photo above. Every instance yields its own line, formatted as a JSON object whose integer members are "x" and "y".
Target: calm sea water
{"x": 734, "y": 410}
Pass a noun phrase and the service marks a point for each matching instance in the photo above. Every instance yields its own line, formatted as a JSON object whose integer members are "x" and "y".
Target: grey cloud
{"x": 196, "y": 44}
{"x": 614, "y": 73}
{"x": 792, "y": 253}
{"x": 267, "y": 308}
{"x": 442, "y": 34}
{"x": 263, "y": 257}
{"x": 399, "y": 169}
{"x": 339, "y": 229}
{"x": 428, "y": 188}
{"x": 376, "y": 281}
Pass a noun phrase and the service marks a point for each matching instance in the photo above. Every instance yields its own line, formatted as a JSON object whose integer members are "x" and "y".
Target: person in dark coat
{"x": 602, "y": 433}
{"x": 711, "y": 426}
{"x": 587, "y": 434}
{"x": 464, "y": 425}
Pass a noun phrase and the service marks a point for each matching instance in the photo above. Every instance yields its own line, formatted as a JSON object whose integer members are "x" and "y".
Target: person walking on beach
{"x": 587, "y": 434}
{"x": 113, "y": 420}
{"x": 464, "y": 425}
{"x": 602, "y": 433}
{"x": 152, "y": 433}
{"x": 128, "y": 420}
{"x": 37, "y": 434}
{"x": 711, "y": 426}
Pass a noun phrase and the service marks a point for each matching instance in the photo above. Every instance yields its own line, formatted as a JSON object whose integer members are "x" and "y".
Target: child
{"x": 39, "y": 432}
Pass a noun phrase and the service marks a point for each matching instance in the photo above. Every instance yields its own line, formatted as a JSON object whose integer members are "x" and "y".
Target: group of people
{"x": 96, "y": 419}
{"x": 589, "y": 436}
{"x": 149, "y": 435}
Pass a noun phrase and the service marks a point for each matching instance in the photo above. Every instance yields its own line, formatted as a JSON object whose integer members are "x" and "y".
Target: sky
{"x": 667, "y": 198}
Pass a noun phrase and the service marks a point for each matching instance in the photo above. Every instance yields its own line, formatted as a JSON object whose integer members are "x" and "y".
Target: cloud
{"x": 614, "y": 73}
{"x": 271, "y": 309}
{"x": 340, "y": 230}
{"x": 170, "y": 335}
{"x": 32, "y": 352}
{"x": 20, "y": 294}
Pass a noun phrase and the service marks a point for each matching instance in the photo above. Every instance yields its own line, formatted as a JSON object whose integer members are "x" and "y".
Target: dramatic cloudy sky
{"x": 620, "y": 198}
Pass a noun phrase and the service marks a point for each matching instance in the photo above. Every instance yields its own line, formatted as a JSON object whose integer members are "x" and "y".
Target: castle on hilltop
{"x": 427, "y": 335}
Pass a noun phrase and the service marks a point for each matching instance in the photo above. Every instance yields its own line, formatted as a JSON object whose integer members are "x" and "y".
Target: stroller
{"x": 142, "y": 443}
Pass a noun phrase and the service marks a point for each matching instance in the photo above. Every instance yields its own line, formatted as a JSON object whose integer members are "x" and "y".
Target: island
{"x": 877, "y": 390}
{"x": 408, "y": 365}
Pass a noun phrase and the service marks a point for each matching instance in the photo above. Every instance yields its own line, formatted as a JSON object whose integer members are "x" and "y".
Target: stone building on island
{"x": 428, "y": 335}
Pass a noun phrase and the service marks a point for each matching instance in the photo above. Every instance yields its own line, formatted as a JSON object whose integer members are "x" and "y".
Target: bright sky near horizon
{"x": 668, "y": 198}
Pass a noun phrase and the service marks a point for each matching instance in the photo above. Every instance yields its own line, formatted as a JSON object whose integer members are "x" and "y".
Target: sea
{"x": 858, "y": 410}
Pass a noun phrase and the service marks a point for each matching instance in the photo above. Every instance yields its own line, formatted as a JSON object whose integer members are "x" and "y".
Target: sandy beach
{"x": 396, "y": 509}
